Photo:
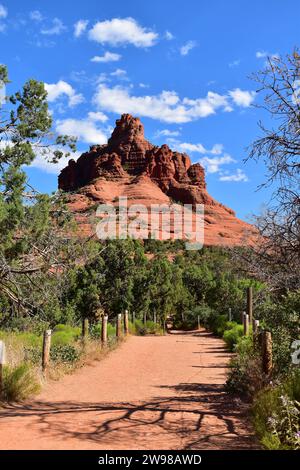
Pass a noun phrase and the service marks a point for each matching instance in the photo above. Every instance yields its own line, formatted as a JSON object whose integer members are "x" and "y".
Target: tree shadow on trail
{"x": 194, "y": 416}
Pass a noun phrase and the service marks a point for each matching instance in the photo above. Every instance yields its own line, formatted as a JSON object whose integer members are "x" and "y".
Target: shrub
{"x": 111, "y": 330}
{"x": 26, "y": 324}
{"x": 153, "y": 328}
{"x": 245, "y": 375}
{"x": 30, "y": 339}
{"x": 140, "y": 328}
{"x": 190, "y": 318}
{"x": 19, "y": 382}
{"x": 33, "y": 355}
{"x": 276, "y": 413}
{"x": 150, "y": 328}
{"x": 96, "y": 330}
{"x": 232, "y": 335}
{"x": 217, "y": 324}
{"x": 64, "y": 353}
{"x": 65, "y": 334}
{"x": 72, "y": 330}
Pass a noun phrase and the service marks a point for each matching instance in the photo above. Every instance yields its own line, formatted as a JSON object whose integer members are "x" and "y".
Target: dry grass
{"x": 23, "y": 379}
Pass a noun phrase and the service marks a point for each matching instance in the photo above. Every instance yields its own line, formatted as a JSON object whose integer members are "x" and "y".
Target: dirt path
{"x": 150, "y": 393}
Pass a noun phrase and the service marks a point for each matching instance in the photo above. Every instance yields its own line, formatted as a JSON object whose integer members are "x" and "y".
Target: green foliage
{"x": 232, "y": 335}
{"x": 282, "y": 318}
{"x": 96, "y": 330}
{"x": 245, "y": 375}
{"x": 189, "y": 318}
{"x": 28, "y": 220}
{"x": 276, "y": 414}
{"x": 148, "y": 328}
{"x": 19, "y": 383}
{"x": 64, "y": 353}
{"x": 64, "y": 335}
{"x": 25, "y": 324}
{"x": 217, "y": 324}
{"x": 28, "y": 339}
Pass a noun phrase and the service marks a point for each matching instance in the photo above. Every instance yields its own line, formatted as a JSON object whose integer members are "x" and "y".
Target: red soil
{"x": 150, "y": 393}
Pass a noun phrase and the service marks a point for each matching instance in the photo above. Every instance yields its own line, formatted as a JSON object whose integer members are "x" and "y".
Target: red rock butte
{"x": 129, "y": 165}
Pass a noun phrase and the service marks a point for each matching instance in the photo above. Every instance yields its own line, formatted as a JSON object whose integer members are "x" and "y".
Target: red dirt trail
{"x": 150, "y": 393}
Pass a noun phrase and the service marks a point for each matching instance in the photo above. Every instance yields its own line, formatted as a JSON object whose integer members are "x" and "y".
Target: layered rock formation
{"x": 129, "y": 165}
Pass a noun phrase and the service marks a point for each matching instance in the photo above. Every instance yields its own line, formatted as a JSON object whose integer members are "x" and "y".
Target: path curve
{"x": 150, "y": 393}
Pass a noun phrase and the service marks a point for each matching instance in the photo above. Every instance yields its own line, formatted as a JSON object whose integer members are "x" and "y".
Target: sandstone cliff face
{"x": 131, "y": 166}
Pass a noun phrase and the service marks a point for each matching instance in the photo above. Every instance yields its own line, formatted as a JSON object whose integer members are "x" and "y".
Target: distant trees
{"x": 122, "y": 276}
{"x": 278, "y": 258}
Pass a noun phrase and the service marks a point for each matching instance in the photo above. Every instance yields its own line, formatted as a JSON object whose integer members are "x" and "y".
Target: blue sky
{"x": 182, "y": 67}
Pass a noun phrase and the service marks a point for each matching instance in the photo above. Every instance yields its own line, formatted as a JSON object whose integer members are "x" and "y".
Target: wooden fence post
{"x": 2, "y": 362}
{"x": 255, "y": 326}
{"x": 255, "y": 333}
{"x": 126, "y": 325}
{"x": 250, "y": 303}
{"x": 267, "y": 354}
{"x": 154, "y": 317}
{"x": 145, "y": 318}
{"x": 85, "y": 329}
{"x": 229, "y": 314}
{"x": 133, "y": 317}
{"x": 198, "y": 322}
{"x": 46, "y": 349}
{"x": 246, "y": 324}
{"x": 104, "y": 331}
{"x": 119, "y": 326}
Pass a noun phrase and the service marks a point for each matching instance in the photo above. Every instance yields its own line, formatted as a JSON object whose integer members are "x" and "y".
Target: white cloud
{"x": 57, "y": 28}
{"x": 97, "y": 116}
{"x": 3, "y": 11}
{"x": 187, "y": 147}
{"x": 36, "y": 15}
{"x": 261, "y": 54}
{"x": 167, "y": 133}
{"x": 85, "y": 130}
{"x": 103, "y": 77}
{"x": 43, "y": 157}
{"x": 242, "y": 98}
{"x": 80, "y": 27}
{"x": 166, "y": 106}
{"x": 186, "y": 48}
{"x": 143, "y": 85}
{"x": 3, "y": 15}
{"x": 169, "y": 36}
{"x": 238, "y": 176}
{"x": 107, "y": 57}
{"x": 122, "y": 31}
{"x": 56, "y": 90}
{"x": 213, "y": 164}
{"x": 265, "y": 54}
{"x": 43, "y": 161}
{"x": 119, "y": 73}
{"x": 217, "y": 149}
